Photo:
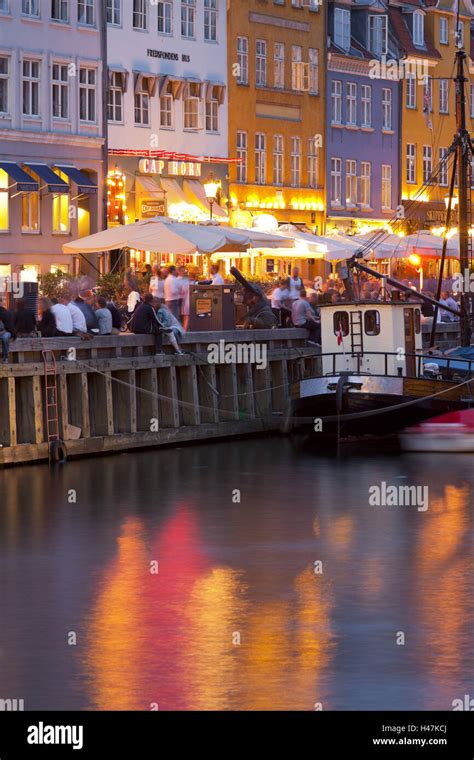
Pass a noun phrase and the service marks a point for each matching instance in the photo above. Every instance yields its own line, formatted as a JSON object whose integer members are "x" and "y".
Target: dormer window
{"x": 342, "y": 28}
{"x": 418, "y": 29}
{"x": 378, "y": 34}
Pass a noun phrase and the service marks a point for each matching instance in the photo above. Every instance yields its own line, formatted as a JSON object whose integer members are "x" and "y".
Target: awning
{"x": 178, "y": 205}
{"x": 195, "y": 193}
{"x": 177, "y": 86}
{"x": 216, "y": 89}
{"x": 118, "y": 69}
{"x": 145, "y": 80}
{"x": 84, "y": 184}
{"x": 53, "y": 183}
{"x": 149, "y": 187}
{"x": 24, "y": 183}
{"x": 174, "y": 194}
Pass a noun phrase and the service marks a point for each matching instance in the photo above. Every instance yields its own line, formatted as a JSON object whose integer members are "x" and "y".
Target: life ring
{"x": 57, "y": 452}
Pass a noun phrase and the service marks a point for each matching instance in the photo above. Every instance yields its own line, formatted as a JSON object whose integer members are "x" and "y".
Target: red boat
{"x": 452, "y": 432}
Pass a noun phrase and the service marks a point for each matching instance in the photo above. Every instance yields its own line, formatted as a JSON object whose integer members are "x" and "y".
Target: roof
{"x": 404, "y": 38}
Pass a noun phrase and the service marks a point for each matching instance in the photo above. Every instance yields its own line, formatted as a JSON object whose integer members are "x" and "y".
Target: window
{"x": 443, "y": 30}
{"x": 166, "y": 108}
{"x": 336, "y": 181}
{"x": 313, "y": 162}
{"x": 242, "y": 60}
{"x": 165, "y": 18}
{"x": 351, "y": 182}
{"x": 85, "y": 12}
{"x": 313, "y": 57}
{"x": 60, "y": 10}
{"x": 386, "y": 187}
{"x": 4, "y": 202}
{"x": 427, "y": 162}
{"x": 30, "y": 8}
{"x": 279, "y": 65}
{"x": 372, "y": 322}
{"x": 296, "y": 68}
{"x": 140, "y": 14}
{"x": 142, "y": 104}
{"x": 4, "y": 75}
{"x": 30, "y": 212}
{"x": 210, "y": 20}
{"x": 341, "y": 323}
{"x": 188, "y": 18}
{"x": 336, "y": 101}
{"x": 61, "y": 221}
{"x": 378, "y": 34}
{"x": 411, "y": 90}
{"x": 115, "y": 97}
{"x": 191, "y": 107}
{"x": 342, "y": 28}
{"x": 114, "y": 12}
{"x": 351, "y": 103}
{"x": 261, "y": 63}
{"x": 260, "y": 159}
{"x": 278, "y": 160}
{"x": 87, "y": 94}
{"x": 366, "y": 103}
{"x": 30, "y": 83}
{"x": 365, "y": 172}
{"x": 212, "y": 113}
{"x": 443, "y": 96}
{"x": 60, "y": 91}
{"x": 418, "y": 321}
{"x": 242, "y": 156}
{"x": 418, "y": 29}
{"x": 411, "y": 163}
{"x": 386, "y": 108}
{"x": 295, "y": 162}
{"x": 443, "y": 167}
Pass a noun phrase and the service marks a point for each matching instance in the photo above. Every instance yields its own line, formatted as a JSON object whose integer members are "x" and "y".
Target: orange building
{"x": 276, "y": 54}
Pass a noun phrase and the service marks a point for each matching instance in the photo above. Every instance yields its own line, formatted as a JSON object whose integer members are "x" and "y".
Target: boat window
{"x": 417, "y": 321}
{"x": 341, "y": 322}
{"x": 372, "y": 322}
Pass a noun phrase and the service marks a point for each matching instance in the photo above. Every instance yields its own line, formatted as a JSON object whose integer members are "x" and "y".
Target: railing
{"x": 446, "y": 362}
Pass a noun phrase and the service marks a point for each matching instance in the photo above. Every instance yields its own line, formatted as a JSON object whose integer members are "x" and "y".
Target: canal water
{"x": 237, "y": 575}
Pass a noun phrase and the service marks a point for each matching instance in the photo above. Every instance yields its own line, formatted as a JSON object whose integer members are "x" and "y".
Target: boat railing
{"x": 445, "y": 363}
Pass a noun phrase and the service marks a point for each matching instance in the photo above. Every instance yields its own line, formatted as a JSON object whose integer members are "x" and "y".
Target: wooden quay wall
{"x": 117, "y": 395}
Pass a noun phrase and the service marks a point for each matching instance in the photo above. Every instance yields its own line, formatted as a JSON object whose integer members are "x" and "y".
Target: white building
{"x": 167, "y": 106}
{"x": 51, "y": 131}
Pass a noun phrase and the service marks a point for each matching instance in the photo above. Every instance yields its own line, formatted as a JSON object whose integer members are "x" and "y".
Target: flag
{"x": 339, "y": 335}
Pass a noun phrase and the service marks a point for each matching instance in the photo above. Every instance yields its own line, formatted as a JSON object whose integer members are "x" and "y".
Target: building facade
{"x": 167, "y": 109}
{"x": 51, "y": 133}
{"x": 362, "y": 144}
{"x": 276, "y": 110}
{"x": 428, "y": 44}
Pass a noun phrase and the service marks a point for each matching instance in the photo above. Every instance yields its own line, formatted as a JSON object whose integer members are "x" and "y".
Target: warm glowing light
{"x": 414, "y": 259}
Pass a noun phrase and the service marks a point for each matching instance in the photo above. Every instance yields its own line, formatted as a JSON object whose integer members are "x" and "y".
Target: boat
{"x": 449, "y": 433}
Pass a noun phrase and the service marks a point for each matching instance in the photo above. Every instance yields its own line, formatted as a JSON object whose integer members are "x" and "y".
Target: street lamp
{"x": 211, "y": 187}
{"x": 454, "y": 201}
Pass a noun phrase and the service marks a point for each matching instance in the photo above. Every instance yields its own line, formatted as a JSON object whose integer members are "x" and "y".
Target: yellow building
{"x": 277, "y": 110}
{"x": 427, "y": 36}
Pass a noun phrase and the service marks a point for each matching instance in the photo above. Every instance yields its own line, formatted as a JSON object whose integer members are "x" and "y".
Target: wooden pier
{"x": 117, "y": 395}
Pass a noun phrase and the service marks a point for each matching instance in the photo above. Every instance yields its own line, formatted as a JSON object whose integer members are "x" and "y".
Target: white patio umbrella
{"x": 163, "y": 235}
{"x": 334, "y": 247}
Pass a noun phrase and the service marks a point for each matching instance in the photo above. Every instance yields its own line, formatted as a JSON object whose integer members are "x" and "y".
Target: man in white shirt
{"x": 295, "y": 284}
{"x": 157, "y": 283}
{"x": 173, "y": 292}
{"x": 79, "y": 323}
{"x": 63, "y": 319}
{"x": 215, "y": 276}
{"x": 279, "y": 299}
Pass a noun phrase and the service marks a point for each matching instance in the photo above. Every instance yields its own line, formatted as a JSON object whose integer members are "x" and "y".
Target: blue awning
{"x": 54, "y": 183}
{"x": 24, "y": 182}
{"x": 84, "y": 184}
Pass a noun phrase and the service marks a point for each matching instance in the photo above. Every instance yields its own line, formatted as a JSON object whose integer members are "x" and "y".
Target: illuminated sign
{"x": 174, "y": 168}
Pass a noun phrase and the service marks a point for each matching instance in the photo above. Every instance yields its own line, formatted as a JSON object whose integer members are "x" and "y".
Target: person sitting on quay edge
{"x": 448, "y": 300}
{"x": 63, "y": 318}
{"x": 259, "y": 315}
{"x": 83, "y": 303}
{"x": 145, "y": 322}
{"x": 169, "y": 325}
{"x": 24, "y": 320}
{"x": 7, "y": 332}
{"x": 303, "y": 316}
{"x": 103, "y": 316}
{"x": 116, "y": 317}
{"x": 79, "y": 325}
{"x": 47, "y": 323}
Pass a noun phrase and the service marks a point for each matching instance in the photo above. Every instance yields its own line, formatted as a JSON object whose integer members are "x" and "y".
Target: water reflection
{"x": 236, "y": 617}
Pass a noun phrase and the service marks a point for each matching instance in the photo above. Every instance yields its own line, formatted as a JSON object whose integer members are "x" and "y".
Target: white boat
{"x": 449, "y": 433}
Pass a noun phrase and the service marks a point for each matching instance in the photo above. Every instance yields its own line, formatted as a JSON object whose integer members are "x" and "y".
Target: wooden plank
{"x": 132, "y": 395}
{"x": 63, "y": 406}
{"x": 86, "y": 424}
{"x": 38, "y": 410}
{"x": 12, "y": 410}
{"x": 109, "y": 405}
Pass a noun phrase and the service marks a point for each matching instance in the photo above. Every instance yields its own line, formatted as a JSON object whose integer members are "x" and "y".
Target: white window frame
{"x": 427, "y": 162}
{"x": 140, "y": 15}
{"x": 295, "y": 162}
{"x": 242, "y": 154}
{"x": 410, "y": 163}
{"x": 296, "y": 73}
{"x": 351, "y": 104}
{"x": 27, "y": 201}
{"x": 444, "y": 96}
{"x": 114, "y": 12}
{"x": 278, "y": 159}
{"x": 115, "y": 98}
{"x": 86, "y": 12}
{"x": 28, "y": 6}
{"x": 313, "y": 162}
{"x": 279, "y": 65}
{"x": 387, "y": 108}
{"x": 313, "y": 65}
{"x": 211, "y": 10}
{"x": 188, "y": 19}
{"x": 443, "y": 30}
{"x": 351, "y": 182}
{"x": 260, "y": 158}
{"x": 62, "y": 10}
{"x": 418, "y": 28}
{"x": 165, "y": 17}
{"x": 378, "y": 34}
{"x": 443, "y": 169}
{"x": 141, "y": 106}
{"x": 342, "y": 28}
{"x": 88, "y": 87}
{"x": 336, "y": 101}
{"x": 243, "y": 60}
{"x": 30, "y": 84}
{"x": 336, "y": 182}
{"x": 365, "y": 184}
{"x": 386, "y": 187}
{"x": 61, "y": 86}
{"x": 5, "y": 77}
{"x": 366, "y": 106}
{"x": 410, "y": 100}
{"x": 212, "y": 115}
{"x": 191, "y": 113}
{"x": 167, "y": 109}
{"x": 260, "y": 63}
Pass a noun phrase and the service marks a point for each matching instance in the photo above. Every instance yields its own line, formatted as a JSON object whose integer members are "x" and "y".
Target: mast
{"x": 464, "y": 152}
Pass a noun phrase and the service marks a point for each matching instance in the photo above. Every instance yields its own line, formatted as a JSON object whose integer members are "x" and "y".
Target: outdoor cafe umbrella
{"x": 163, "y": 235}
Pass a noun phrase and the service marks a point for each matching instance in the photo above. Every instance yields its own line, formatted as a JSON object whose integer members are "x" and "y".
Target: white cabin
{"x": 391, "y": 329}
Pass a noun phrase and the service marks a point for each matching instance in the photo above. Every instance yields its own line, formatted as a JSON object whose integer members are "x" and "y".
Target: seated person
{"x": 145, "y": 322}
{"x": 103, "y": 316}
{"x": 171, "y": 326}
{"x": 24, "y": 320}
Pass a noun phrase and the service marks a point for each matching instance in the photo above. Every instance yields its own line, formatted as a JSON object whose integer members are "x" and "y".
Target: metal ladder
{"x": 51, "y": 397}
{"x": 357, "y": 345}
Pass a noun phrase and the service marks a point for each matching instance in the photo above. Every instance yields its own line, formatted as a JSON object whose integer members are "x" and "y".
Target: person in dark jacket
{"x": 24, "y": 320}
{"x": 259, "y": 315}
{"x": 87, "y": 310}
{"x": 7, "y": 332}
{"x": 116, "y": 316}
{"x": 145, "y": 322}
{"x": 47, "y": 324}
